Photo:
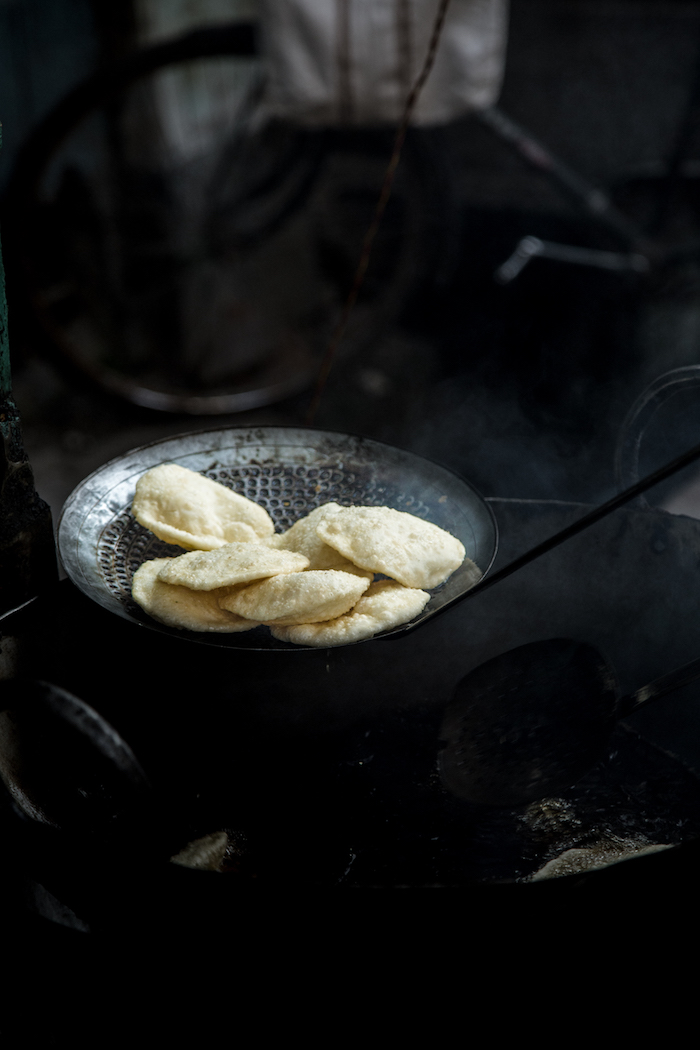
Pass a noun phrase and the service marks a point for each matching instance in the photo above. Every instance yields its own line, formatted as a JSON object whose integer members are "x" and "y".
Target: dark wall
{"x": 604, "y": 84}
{"x": 603, "y": 81}
{"x": 46, "y": 46}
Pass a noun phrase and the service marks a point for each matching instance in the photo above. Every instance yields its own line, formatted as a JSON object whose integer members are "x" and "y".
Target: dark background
{"x": 522, "y": 389}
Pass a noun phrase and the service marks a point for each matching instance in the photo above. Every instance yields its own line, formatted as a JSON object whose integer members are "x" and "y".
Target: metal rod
{"x": 533, "y": 248}
{"x": 659, "y": 688}
{"x": 589, "y": 519}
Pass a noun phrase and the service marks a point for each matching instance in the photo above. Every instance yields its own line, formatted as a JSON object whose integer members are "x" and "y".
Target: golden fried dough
{"x": 228, "y": 566}
{"x": 385, "y": 604}
{"x": 183, "y": 507}
{"x": 312, "y": 585}
{"x": 304, "y": 538}
{"x": 406, "y": 548}
{"x": 181, "y": 607}
{"x": 297, "y": 597}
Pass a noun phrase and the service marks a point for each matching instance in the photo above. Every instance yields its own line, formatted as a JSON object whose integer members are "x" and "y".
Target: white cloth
{"x": 353, "y": 62}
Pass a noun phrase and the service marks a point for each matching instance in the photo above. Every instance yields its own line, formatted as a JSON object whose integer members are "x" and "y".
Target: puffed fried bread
{"x": 229, "y": 566}
{"x": 299, "y": 597}
{"x": 385, "y": 604}
{"x": 304, "y": 538}
{"x": 183, "y": 507}
{"x": 181, "y": 607}
{"x": 415, "y": 552}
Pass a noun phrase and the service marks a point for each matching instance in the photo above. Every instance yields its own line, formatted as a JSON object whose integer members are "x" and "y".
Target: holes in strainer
{"x": 290, "y": 492}
{"x": 122, "y": 547}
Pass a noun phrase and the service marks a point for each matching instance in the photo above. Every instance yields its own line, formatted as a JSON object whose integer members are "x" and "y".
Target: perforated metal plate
{"x": 289, "y": 471}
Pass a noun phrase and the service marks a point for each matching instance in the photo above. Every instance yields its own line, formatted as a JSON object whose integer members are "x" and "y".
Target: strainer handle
{"x": 629, "y": 495}
{"x": 639, "y": 417}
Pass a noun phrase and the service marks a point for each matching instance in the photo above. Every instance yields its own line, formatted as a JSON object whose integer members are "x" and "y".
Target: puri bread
{"x": 385, "y": 604}
{"x": 181, "y": 607}
{"x": 298, "y": 597}
{"x": 228, "y": 566}
{"x": 415, "y": 552}
{"x": 304, "y": 538}
{"x": 311, "y": 584}
{"x": 194, "y": 512}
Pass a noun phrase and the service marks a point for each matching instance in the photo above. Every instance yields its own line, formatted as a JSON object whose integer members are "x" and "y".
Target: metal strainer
{"x": 289, "y": 471}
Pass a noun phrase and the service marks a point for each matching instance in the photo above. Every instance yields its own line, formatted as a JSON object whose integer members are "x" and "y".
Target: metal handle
{"x": 668, "y": 683}
{"x": 532, "y": 247}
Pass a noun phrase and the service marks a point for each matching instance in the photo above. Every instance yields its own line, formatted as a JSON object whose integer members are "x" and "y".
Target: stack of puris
{"x": 312, "y": 585}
